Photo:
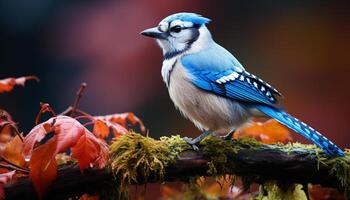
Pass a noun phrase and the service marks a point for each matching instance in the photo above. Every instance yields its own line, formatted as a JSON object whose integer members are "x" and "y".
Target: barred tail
{"x": 310, "y": 133}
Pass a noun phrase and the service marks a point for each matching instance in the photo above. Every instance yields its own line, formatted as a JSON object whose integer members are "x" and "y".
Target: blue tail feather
{"x": 310, "y": 133}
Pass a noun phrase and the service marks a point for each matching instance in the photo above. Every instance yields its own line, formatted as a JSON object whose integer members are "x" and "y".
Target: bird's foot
{"x": 191, "y": 142}
{"x": 228, "y": 136}
{"x": 195, "y": 141}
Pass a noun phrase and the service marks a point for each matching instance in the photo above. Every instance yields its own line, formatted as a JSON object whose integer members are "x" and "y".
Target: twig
{"x": 32, "y": 77}
{"x": 78, "y": 97}
{"x": 44, "y": 107}
{"x": 69, "y": 112}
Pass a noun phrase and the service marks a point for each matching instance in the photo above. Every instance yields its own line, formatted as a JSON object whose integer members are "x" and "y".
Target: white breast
{"x": 168, "y": 65}
{"x": 206, "y": 110}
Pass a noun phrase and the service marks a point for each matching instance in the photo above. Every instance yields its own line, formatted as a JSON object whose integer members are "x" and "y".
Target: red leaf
{"x": 8, "y": 84}
{"x": 268, "y": 132}
{"x": 86, "y": 144}
{"x": 67, "y": 133}
{"x": 317, "y": 192}
{"x": 34, "y": 136}
{"x": 43, "y": 167}
{"x": 6, "y": 177}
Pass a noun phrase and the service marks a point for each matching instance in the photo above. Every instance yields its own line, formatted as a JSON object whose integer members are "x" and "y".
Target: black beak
{"x": 154, "y": 33}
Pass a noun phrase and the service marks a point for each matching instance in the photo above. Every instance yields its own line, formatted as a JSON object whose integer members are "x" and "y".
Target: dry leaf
{"x": 6, "y": 85}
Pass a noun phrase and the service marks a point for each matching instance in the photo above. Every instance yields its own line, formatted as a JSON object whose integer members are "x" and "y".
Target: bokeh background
{"x": 300, "y": 47}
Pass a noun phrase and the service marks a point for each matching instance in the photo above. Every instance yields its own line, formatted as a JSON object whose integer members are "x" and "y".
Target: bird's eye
{"x": 175, "y": 29}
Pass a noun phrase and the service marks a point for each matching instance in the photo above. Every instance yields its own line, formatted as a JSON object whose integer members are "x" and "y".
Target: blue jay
{"x": 211, "y": 88}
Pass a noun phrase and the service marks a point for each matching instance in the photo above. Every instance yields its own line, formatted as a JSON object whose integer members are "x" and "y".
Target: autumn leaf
{"x": 6, "y": 134}
{"x": 101, "y": 129}
{"x": 4, "y": 179}
{"x": 13, "y": 152}
{"x": 66, "y": 133}
{"x": 89, "y": 197}
{"x": 5, "y": 116}
{"x": 169, "y": 193}
{"x": 86, "y": 150}
{"x": 8, "y": 84}
{"x": 34, "y": 136}
{"x": 8, "y": 128}
{"x": 118, "y": 123}
{"x": 318, "y": 192}
{"x": 43, "y": 167}
{"x": 11, "y": 143}
{"x": 268, "y": 132}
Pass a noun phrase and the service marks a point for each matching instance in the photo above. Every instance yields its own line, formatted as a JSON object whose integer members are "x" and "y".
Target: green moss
{"x": 271, "y": 191}
{"x": 176, "y": 145}
{"x": 133, "y": 156}
{"x": 340, "y": 167}
{"x": 217, "y": 150}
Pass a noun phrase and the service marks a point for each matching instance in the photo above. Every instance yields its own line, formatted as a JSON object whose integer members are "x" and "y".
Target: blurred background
{"x": 300, "y": 47}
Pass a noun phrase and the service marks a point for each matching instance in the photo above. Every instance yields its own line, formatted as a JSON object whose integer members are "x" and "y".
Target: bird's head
{"x": 179, "y": 33}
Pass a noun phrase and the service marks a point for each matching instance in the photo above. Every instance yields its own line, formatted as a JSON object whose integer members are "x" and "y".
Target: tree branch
{"x": 265, "y": 162}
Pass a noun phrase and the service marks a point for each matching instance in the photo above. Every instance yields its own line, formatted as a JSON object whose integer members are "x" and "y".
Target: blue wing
{"x": 216, "y": 70}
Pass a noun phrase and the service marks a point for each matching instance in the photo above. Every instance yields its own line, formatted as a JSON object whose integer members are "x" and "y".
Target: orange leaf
{"x": 269, "y": 132}
{"x": 318, "y": 192}
{"x": 43, "y": 167}
{"x": 101, "y": 129}
{"x": 8, "y": 84}
{"x": 89, "y": 197}
{"x": 13, "y": 152}
{"x": 169, "y": 193}
{"x": 118, "y": 123}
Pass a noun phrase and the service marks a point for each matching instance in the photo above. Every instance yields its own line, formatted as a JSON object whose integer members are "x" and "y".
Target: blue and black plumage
{"x": 210, "y": 86}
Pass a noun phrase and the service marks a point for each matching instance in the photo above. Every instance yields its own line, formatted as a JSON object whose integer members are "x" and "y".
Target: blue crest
{"x": 188, "y": 17}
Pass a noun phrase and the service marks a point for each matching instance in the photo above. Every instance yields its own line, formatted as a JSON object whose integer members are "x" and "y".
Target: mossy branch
{"x": 136, "y": 160}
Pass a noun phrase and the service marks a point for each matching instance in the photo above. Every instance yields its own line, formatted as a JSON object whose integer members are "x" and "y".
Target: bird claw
{"x": 191, "y": 142}
{"x": 228, "y": 137}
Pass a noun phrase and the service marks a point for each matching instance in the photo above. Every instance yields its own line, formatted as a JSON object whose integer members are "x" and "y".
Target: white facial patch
{"x": 163, "y": 26}
{"x": 176, "y": 23}
{"x": 181, "y": 23}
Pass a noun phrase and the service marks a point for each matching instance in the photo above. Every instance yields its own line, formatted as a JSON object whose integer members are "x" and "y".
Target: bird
{"x": 211, "y": 88}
